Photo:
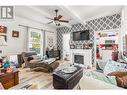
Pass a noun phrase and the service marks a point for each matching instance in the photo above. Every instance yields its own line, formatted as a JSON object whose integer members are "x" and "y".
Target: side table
{"x": 9, "y": 79}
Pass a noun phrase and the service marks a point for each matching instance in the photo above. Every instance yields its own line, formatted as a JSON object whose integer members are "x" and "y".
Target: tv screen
{"x": 81, "y": 35}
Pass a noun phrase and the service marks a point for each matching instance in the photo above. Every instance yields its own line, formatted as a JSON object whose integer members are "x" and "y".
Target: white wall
{"x": 17, "y": 45}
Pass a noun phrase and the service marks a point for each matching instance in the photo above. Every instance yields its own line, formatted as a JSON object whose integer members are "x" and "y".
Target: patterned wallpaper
{"x": 102, "y": 23}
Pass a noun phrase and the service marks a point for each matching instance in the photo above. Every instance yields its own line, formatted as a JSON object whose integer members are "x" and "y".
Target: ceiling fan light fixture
{"x": 57, "y": 23}
{"x": 57, "y": 19}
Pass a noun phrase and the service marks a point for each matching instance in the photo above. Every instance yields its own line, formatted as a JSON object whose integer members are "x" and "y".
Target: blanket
{"x": 102, "y": 77}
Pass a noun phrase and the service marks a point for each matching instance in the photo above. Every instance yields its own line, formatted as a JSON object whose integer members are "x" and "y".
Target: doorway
{"x": 66, "y": 46}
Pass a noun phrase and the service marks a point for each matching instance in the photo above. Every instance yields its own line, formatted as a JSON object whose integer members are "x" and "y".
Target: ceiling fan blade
{"x": 59, "y": 17}
{"x": 50, "y": 22}
{"x": 64, "y": 21}
{"x": 49, "y": 18}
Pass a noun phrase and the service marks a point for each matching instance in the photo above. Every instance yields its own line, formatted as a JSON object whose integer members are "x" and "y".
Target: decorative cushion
{"x": 36, "y": 57}
{"x": 49, "y": 61}
{"x": 30, "y": 58}
{"x": 113, "y": 66}
{"x": 124, "y": 58}
{"x": 121, "y": 78}
{"x": 34, "y": 61}
{"x": 118, "y": 73}
{"x": 101, "y": 64}
{"x": 122, "y": 81}
{"x": 14, "y": 60}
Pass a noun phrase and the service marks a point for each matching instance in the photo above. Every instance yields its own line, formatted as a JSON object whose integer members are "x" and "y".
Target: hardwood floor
{"x": 39, "y": 79}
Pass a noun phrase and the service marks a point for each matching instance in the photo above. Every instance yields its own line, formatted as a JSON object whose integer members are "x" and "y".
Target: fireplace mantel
{"x": 80, "y": 50}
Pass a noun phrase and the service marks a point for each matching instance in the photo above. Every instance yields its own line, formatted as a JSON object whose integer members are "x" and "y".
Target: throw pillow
{"x": 14, "y": 60}
{"x": 122, "y": 81}
{"x": 113, "y": 66}
{"x": 124, "y": 58}
{"x": 49, "y": 61}
{"x": 36, "y": 57}
{"x": 121, "y": 78}
{"x": 101, "y": 64}
{"x": 33, "y": 61}
{"x": 118, "y": 74}
{"x": 29, "y": 59}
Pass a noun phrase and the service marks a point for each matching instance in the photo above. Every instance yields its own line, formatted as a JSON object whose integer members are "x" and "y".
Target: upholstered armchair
{"x": 48, "y": 65}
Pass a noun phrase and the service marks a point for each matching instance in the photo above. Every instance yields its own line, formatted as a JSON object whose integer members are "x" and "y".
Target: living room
{"x": 62, "y": 47}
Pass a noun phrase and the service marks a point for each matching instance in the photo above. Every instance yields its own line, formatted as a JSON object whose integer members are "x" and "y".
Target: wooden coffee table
{"x": 62, "y": 80}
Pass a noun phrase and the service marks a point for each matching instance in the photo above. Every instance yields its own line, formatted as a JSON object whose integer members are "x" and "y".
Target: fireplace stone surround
{"x": 87, "y": 57}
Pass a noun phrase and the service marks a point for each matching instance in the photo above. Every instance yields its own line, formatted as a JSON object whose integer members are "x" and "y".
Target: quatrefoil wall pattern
{"x": 102, "y": 23}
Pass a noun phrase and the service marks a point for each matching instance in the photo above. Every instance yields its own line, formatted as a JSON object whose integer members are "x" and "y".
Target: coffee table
{"x": 63, "y": 80}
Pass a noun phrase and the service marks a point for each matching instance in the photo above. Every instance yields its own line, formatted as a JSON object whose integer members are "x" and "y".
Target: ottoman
{"x": 62, "y": 80}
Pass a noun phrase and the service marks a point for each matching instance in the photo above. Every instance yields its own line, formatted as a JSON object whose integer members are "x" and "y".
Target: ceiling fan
{"x": 57, "y": 19}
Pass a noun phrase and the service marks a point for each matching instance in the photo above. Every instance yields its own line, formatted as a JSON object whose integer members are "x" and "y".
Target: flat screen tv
{"x": 81, "y": 35}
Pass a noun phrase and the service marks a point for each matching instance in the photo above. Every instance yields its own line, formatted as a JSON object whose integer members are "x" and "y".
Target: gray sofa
{"x": 39, "y": 65}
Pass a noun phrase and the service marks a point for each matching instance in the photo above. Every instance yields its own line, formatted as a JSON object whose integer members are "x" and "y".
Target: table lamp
{"x": 2, "y": 42}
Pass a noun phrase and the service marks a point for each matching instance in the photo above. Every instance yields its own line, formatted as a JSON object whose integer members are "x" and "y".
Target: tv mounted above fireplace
{"x": 81, "y": 35}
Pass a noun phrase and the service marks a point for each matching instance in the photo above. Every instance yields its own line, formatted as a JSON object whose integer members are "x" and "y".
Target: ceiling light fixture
{"x": 57, "y": 23}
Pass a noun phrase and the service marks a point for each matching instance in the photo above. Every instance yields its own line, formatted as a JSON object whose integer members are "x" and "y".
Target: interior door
{"x": 66, "y": 46}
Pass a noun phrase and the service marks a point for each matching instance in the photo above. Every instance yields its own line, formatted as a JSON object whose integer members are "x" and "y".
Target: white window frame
{"x": 39, "y": 31}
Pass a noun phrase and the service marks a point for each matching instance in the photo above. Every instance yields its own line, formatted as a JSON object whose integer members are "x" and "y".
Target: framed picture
{"x": 3, "y": 29}
{"x": 15, "y": 34}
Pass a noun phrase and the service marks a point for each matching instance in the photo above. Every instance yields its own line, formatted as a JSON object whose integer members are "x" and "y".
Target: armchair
{"x": 39, "y": 65}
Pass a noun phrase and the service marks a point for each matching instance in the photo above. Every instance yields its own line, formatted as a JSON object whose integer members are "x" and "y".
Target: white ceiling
{"x": 75, "y": 14}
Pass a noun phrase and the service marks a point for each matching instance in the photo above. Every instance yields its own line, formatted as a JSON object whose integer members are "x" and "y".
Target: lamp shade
{"x": 2, "y": 41}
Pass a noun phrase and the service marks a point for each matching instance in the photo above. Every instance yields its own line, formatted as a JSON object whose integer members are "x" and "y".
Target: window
{"x": 35, "y": 41}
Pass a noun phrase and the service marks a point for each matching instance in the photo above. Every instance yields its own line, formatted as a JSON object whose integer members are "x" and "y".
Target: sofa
{"x": 88, "y": 83}
{"x": 38, "y": 64}
{"x": 109, "y": 75}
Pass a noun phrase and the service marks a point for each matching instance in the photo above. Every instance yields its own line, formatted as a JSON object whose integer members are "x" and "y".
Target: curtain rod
{"x": 35, "y": 28}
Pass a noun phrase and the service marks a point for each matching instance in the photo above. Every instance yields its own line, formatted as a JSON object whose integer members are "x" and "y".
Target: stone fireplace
{"x": 81, "y": 57}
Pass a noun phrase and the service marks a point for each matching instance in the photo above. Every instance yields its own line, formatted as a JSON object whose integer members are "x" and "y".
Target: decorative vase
{"x": 6, "y": 65}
